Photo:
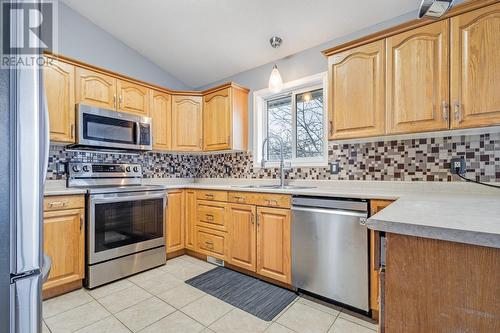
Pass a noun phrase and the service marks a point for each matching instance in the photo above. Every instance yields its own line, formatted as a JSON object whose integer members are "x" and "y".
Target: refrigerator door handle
{"x": 25, "y": 306}
{"x": 46, "y": 125}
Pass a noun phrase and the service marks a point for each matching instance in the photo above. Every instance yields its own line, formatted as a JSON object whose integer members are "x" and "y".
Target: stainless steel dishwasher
{"x": 330, "y": 249}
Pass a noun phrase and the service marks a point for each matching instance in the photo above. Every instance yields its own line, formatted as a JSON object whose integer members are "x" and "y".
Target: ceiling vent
{"x": 434, "y": 8}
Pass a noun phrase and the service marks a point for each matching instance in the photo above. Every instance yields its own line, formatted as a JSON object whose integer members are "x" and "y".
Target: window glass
{"x": 279, "y": 124}
{"x": 309, "y": 124}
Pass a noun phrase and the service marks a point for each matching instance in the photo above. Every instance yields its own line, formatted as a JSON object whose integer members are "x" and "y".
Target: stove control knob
{"x": 76, "y": 168}
{"x": 86, "y": 168}
{"x": 127, "y": 169}
{"x": 136, "y": 169}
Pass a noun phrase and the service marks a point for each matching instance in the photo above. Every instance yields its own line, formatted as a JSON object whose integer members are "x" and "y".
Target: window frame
{"x": 293, "y": 88}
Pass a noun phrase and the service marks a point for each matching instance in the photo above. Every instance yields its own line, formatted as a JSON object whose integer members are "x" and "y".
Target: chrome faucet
{"x": 283, "y": 180}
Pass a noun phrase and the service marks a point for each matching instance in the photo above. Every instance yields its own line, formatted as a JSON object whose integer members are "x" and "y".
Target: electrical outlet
{"x": 172, "y": 169}
{"x": 61, "y": 168}
{"x": 457, "y": 163}
{"x": 334, "y": 168}
{"x": 227, "y": 169}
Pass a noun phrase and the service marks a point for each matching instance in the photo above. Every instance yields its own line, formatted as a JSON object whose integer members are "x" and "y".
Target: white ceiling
{"x": 202, "y": 41}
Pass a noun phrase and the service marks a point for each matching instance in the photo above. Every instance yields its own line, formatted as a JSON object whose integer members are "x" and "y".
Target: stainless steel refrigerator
{"x": 23, "y": 163}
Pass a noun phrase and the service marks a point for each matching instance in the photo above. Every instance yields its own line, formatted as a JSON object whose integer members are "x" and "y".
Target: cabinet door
{"x": 475, "y": 68}
{"x": 175, "y": 221}
{"x": 190, "y": 217}
{"x": 242, "y": 233}
{"x": 161, "y": 114}
{"x": 273, "y": 243}
{"x": 59, "y": 79}
{"x": 133, "y": 98}
{"x": 217, "y": 120}
{"x": 417, "y": 80}
{"x": 186, "y": 123}
{"x": 95, "y": 89}
{"x": 357, "y": 92}
{"x": 64, "y": 243}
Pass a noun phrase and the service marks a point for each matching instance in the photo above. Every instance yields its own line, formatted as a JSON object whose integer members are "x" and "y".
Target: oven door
{"x": 124, "y": 223}
{"x": 106, "y": 128}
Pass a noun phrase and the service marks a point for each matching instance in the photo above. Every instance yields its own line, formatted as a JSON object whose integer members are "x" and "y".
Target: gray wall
{"x": 81, "y": 39}
{"x": 304, "y": 63}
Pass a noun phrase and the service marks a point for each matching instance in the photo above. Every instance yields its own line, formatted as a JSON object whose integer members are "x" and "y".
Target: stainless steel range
{"x": 125, "y": 221}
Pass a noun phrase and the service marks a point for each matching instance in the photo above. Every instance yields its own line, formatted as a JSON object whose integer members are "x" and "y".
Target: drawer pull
{"x": 209, "y": 195}
{"x": 54, "y": 204}
{"x": 209, "y": 217}
{"x": 209, "y": 244}
{"x": 239, "y": 199}
{"x": 272, "y": 202}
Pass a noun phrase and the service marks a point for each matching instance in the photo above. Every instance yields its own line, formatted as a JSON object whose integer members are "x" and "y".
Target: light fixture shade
{"x": 275, "y": 81}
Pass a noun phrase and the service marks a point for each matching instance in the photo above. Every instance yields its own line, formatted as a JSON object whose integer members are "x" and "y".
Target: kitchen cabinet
{"x": 161, "y": 117}
{"x": 440, "y": 286}
{"x": 273, "y": 243}
{"x": 211, "y": 242}
{"x": 94, "y": 88}
{"x": 417, "y": 98}
{"x": 375, "y": 207}
{"x": 187, "y": 123}
{"x": 190, "y": 219}
{"x": 357, "y": 92}
{"x": 211, "y": 215}
{"x": 225, "y": 119}
{"x": 64, "y": 243}
{"x": 174, "y": 224}
{"x": 475, "y": 68}
{"x": 59, "y": 79}
{"x": 242, "y": 236}
{"x": 133, "y": 98}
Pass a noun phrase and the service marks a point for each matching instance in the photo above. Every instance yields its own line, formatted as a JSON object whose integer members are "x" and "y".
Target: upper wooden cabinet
{"x": 187, "y": 123}
{"x": 242, "y": 236}
{"x": 133, "y": 98}
{"x": 225, "y": 119}
{"x": 174, "y": 222}
{"x": 273, "y": 243}
{"x": 161, "y": 114}
{"x": 475, "y": 68}
{"x": 59, "y": 79}
{"x": 95, "y": 88}
{"x": 417, "y": 80}
{"x": 357, "y": 91}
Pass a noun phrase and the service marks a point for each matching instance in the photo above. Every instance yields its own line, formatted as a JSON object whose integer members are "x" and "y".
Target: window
{"x": 297, "y": 116}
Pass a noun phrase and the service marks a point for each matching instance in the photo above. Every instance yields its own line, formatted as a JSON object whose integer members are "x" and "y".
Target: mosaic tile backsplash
{"x": 426, "y": 159}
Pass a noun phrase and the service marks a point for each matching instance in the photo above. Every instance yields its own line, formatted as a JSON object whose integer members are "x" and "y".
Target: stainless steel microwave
{"x": 103, "y": 128}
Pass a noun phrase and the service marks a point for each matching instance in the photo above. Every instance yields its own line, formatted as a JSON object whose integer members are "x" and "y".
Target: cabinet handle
{"x": 458, "y": 112}
{"x": 252, "y": 219}
{"x": 209, "y": 195}
{"x": 120, "y": 101}
{"x": 54, "y": 204}
{"x": 258, "y": 221}
{"x": 239, "y": 199}
{"x": 272, "y": 202}
{"x": 201, "y": 143}
{"x": 114, "y": 100}
{"x": 209, "y": 244}
{"x": 331, "y": 127}
{"x": 81, "y": 222}
{"x": 72, "y": 131}
{"x": 445, "y": 109}
{"x": 209, "y": 217}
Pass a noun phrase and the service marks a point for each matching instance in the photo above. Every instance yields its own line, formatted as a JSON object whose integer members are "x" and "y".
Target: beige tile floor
{"x": 159, "y": 301}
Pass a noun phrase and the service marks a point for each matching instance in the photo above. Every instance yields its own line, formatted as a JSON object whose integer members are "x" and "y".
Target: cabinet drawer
{"x": 273, "y": 200}
{"x": 242, "y": 197}
{"x": 211, "y": 242}
{"x": 63, "y": 202}
{"x": 211, "y": 215}
{"x": 211, "y": 195}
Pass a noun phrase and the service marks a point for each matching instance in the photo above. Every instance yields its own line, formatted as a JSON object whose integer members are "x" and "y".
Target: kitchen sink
{"x": 286, "y": 187}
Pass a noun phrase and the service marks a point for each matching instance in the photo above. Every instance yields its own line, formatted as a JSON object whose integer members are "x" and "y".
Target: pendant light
{"x": 275, "y": 81}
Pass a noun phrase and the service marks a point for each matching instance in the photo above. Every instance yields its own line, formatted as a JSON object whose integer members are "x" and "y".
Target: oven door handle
{"x": 137, "y": 133}
{"x": 138, "y": 197}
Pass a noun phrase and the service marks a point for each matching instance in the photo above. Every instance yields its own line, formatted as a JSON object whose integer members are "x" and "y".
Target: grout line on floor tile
{"x": 44, "y": 318}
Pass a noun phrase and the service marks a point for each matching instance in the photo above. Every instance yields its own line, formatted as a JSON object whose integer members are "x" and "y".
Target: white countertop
{"x": 459, "y": 212}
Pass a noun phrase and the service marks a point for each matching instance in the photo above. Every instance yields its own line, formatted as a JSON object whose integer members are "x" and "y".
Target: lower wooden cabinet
{"x": 64, "y": 243}
{"x": 174, "y": 223}
{"x": 242, "y": 236}
{"x": 190, "y": 219}
{"x": 273, "y": 243}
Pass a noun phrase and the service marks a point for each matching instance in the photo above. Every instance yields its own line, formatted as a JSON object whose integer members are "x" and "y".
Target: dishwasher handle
{"x": 362, "y": 215}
